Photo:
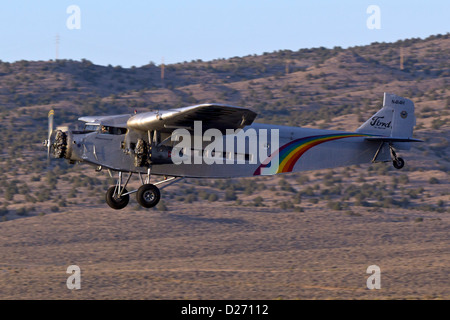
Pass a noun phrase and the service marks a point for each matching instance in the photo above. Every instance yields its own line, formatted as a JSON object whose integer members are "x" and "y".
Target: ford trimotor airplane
{"x": 200, "y": 142}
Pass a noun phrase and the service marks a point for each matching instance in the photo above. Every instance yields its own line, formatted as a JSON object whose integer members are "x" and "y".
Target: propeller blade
{"x": 50, "y": 132}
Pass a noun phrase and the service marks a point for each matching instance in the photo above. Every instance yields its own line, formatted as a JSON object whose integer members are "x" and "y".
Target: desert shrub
{"x": 258, "y": 201}
{"x": 285, "y": 186}
{"x": 361, "y": 178}
{"x": 302, "y": 179}
{"x": 3, "y": 211}
{"x": 190, "y": 198}
{"x": 203, "y": 195}
{"x": 308, "y": 192}
{"x": 285, "y": 205}
{"x": 437, "y": 123}
{"x": 403, "y": 179}
{"x": 414, "y": 193}
{"x": 22, "y": 211}
{"x": 335, "y": 205}
{"x": 297, "y": 198}
{"x": 433, "y": 180}
{"x": 213, "y": 197}
{"x": 230, "y": 195}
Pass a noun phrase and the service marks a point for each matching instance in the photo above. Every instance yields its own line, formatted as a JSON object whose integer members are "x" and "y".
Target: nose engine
{"x": 59, "y": 145}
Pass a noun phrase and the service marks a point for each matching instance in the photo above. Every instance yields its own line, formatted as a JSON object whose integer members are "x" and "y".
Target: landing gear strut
{"x": 397, "y": 162}
{"x": 148, "y": 195}
{"x": 114, "y": 200}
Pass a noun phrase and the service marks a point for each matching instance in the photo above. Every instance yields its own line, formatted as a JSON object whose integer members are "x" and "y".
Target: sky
{"x": 137, "y": 32}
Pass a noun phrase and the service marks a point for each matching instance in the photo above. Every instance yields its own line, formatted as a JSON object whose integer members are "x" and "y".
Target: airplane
{"x": 148, "y": 144}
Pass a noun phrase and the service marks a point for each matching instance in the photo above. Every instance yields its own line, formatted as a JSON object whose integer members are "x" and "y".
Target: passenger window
{"x": 113, "y": 130}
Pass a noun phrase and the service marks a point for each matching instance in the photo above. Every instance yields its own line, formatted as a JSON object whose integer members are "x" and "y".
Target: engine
{"x": 60, "y": 144}
{"x": 146, "y": 154}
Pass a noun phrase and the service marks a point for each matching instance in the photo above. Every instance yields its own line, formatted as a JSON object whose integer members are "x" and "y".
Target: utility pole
{"x": 401, "y": 58}
{"x": 162, "y": 71}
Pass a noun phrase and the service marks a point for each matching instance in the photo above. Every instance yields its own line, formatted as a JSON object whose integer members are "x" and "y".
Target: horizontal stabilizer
{"x": 393, "y": 139}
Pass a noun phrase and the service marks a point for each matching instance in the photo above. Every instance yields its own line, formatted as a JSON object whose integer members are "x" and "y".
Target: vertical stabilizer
{"x": 395, "y": 119}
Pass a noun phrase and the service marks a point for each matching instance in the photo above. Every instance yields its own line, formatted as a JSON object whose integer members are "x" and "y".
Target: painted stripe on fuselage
{"x": 290, "y": 153}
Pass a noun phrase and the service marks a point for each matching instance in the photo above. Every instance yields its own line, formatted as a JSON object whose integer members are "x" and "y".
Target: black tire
{"x": 115, "y": 202}
{"x": 399, "y": 163}
{"x": 148, "y": 195}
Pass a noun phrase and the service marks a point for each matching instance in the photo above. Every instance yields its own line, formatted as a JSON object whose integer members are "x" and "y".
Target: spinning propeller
{"x": 48, "y": 142}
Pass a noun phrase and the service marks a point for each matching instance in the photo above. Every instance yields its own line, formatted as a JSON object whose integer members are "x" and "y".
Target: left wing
{"x": 218, "y": 116}
{"x": 114, "y": 121}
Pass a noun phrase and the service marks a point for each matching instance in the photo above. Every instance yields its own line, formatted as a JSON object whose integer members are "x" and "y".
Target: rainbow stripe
{"x": 288, "y": 155}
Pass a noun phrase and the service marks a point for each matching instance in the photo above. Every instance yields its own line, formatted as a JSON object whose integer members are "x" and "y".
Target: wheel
{"x": 148, "y": 195}
{"x": 116, "y": 202}
{"x": 398, "y": 163}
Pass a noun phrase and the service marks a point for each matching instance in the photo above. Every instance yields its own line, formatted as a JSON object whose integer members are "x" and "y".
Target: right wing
{"x": 218, "y": 116}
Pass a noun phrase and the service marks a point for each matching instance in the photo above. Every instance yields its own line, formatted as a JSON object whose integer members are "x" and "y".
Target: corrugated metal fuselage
{"x": 289, "y": 149}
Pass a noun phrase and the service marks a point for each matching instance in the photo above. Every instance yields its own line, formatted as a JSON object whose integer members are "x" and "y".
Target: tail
{"x": 395, "y": 120}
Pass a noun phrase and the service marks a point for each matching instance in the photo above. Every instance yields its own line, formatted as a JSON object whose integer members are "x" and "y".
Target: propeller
{"x": 50, "y": 132}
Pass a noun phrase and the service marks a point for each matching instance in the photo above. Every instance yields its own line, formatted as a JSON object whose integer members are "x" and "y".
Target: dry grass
{"x": 221, "y": 252}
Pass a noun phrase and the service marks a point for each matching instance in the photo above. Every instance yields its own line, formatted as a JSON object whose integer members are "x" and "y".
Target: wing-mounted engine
{"x": 146, "y": 154}
{"x": 141, "y": 154}
{"x": 161, "y": 154}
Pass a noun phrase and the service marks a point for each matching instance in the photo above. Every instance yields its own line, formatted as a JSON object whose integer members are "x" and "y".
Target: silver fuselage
{"x": 299, "y": 149}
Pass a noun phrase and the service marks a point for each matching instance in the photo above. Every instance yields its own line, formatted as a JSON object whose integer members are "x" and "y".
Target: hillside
{"x": 326, "y": 88}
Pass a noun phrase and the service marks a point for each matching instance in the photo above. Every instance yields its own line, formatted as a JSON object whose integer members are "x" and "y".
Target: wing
{"x": 219, "y": 116}
{"x": 114, "y": 121}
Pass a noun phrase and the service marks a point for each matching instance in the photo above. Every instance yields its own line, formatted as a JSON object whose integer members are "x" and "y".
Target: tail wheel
{"x": 398, "y": 163}
{"x": 148, "y": 195}
{"x": 117, "y": 202}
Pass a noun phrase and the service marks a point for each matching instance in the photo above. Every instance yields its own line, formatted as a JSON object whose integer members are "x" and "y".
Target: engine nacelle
{"x": 161, "y": 155}
{"x": 146, "y": 154}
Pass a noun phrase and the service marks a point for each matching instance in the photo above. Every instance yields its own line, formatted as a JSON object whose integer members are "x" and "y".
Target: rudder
{"x": 395, "y": 119}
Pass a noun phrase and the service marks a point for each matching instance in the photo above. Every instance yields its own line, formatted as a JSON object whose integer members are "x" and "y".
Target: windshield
{"x": 91, "y": 127}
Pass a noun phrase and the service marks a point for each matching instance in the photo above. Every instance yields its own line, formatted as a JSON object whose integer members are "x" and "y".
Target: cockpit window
{"x": 91, "y": 127}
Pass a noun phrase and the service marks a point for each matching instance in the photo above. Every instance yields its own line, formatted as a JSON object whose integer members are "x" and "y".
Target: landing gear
{"x": 148, "y": 195}
{"x": 397, "y": 162}
{"x": 114, "y": 200}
